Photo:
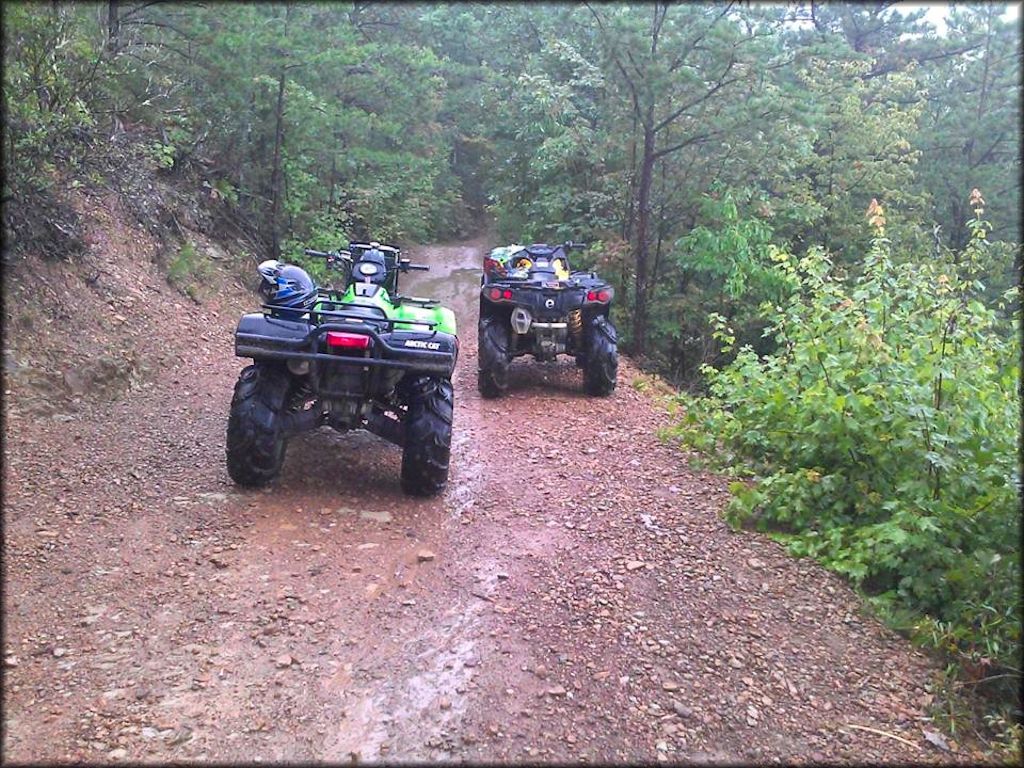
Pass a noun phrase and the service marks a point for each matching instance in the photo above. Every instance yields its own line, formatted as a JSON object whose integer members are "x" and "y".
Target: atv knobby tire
{"x": 602, "y": 358}
{"x": 428, "y": 437}
{"x": 255, "y": 447}
{"x": 493, "y": 359}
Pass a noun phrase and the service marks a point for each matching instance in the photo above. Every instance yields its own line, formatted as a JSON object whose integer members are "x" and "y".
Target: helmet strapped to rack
{"x": 268, "y": 271}
{"x": 286, "y": 285}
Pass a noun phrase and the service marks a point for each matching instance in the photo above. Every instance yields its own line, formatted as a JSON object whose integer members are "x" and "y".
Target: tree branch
{"x": 988, "y": 152}
{"x": 685, "y": 143}
{"x": 147, "y": 23}
{"x": 141, "y": 7}
{"x": 618, "y": 64}
{"x": 700, "y": 99}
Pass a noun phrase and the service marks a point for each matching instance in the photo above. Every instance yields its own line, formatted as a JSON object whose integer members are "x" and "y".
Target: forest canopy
{"x": 682, "y": 140}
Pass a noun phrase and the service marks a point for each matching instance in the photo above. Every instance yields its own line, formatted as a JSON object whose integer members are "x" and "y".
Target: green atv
{"x": 362, "y": 358}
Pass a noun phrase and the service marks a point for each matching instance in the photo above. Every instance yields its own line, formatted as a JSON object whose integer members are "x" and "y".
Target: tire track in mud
{"x": 390, "y": 635}
{"x": 410, "y": 713}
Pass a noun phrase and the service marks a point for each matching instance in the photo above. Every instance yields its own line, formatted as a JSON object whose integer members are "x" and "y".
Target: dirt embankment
{"x": 573, "y": 596}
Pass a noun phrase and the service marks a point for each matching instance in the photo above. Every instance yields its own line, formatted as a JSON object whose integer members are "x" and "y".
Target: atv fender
{"x": 603, "y": 325}
{"x": 498, "y": 346}
{"x": 258, "y": 335}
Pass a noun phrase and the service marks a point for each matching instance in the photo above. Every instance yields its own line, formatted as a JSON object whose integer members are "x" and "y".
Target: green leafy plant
{"x": 187, "y": 270}
{"x": 881, "y": 440}
{"x": 162, "y": 154}
{"x": 225, "y": 190}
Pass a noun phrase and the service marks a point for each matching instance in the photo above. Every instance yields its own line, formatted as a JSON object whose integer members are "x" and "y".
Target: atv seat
{"x": 352, "y": 311}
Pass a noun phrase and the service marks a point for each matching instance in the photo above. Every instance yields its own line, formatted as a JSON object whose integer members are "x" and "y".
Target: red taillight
{"x": 347, "y": 340}
{"x": 604, "y": 295}
{"x": 499, "y": 294}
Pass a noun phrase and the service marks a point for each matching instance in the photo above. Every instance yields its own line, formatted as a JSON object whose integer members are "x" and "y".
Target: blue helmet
{"x": 294, "y": 288}
{"x": 285, "y": 285}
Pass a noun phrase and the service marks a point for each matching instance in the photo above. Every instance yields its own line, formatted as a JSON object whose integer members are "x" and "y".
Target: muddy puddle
{"x": 455, "y": 286}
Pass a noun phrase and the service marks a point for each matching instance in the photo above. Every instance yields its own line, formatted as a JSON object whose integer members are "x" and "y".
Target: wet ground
{"x": 573, "y": 596}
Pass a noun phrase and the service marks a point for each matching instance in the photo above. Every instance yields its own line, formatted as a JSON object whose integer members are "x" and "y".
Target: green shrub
{"x": 187, "y": 270}
{"x": 882, "y": 440}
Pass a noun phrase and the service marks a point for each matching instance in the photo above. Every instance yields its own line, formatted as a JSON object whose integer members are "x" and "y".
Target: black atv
{"x": 531, "y": 303}
{"x": 361, "y": 358}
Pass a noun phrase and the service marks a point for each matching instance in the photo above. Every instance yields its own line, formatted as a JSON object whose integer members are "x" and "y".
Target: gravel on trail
{"x": 574, "y": 595}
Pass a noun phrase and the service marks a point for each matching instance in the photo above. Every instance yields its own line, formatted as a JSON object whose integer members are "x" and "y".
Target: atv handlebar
{"x": 333, "y": 256}
{"x": 335, "y": 259}
{"x": 329, "y": 255}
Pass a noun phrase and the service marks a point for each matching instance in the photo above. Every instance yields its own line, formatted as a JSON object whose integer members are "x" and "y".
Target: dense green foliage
{"x": 609, "y": 123}
{"x": 882, "y": 439}
{"x": 803, "y": 124}
{"x": 318, "y": 122}
{"x": 718, "y": 156}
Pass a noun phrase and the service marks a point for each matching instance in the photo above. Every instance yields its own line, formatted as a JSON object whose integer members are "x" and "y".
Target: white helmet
{"x": 269, "y": 270}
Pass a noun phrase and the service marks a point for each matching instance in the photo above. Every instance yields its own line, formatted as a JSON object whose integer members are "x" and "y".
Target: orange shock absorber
{"x": 575, "y": 323}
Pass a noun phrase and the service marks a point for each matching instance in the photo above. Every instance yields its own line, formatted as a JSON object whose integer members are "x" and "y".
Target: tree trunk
{"x": 958, "y": 237}
{"x": 630, "y": 218}
{"x": 334, "y": 181}
{"x": 275, "y": 184}
{"x": 113, "y": 26}
{"x": 642, "y": 226}
{"x": 660, "y": 229}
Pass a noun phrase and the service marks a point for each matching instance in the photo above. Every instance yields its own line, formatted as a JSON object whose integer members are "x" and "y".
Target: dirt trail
{"x": 573, "y": 596}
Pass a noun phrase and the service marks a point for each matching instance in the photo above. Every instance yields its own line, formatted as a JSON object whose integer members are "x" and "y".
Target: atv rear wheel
{"x": 255, "y": 447}
{"x": 428, "y": 437}
{"x": 493, "y": 360}
{"x": 602, "y": 358}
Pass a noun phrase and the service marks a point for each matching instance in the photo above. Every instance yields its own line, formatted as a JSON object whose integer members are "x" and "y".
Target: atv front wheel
{"x": 428, "y": 437}
{"x": 492, "y": 373}
{"x": 255, "y": 448}
{"x": 602, "y": 359}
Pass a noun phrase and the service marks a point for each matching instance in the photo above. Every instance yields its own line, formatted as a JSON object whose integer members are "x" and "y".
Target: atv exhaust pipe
{"x": 389, "y": 428}
{"x": 521, "y": 320}
{"x": 295, "y": 422}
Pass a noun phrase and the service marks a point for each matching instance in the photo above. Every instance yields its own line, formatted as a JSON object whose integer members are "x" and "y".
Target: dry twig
{"x": 882, "y": 733}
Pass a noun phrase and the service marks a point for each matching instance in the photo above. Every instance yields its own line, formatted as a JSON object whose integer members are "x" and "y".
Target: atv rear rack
{"x": 280, "y": 347}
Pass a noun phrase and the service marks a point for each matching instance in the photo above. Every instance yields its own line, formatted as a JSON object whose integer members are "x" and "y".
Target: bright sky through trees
{"x": 936, "y": 12}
